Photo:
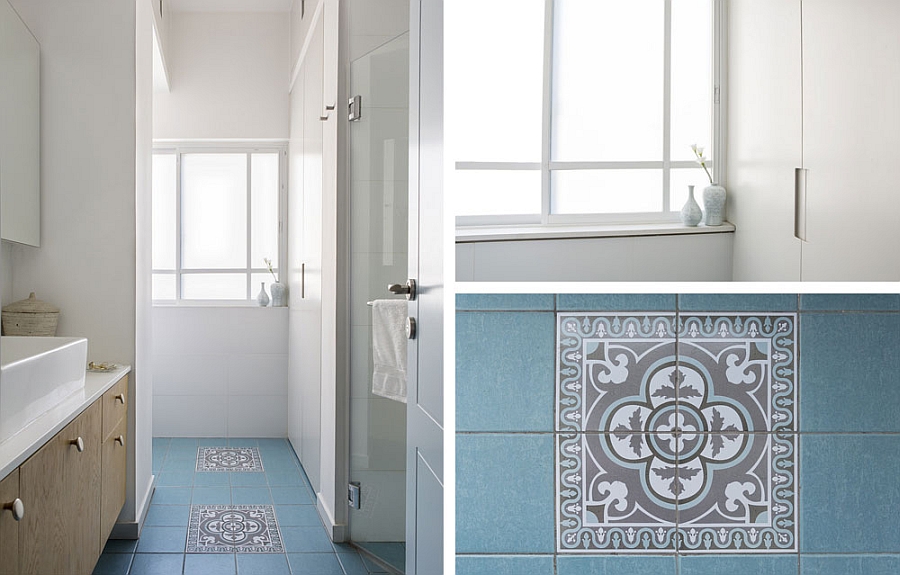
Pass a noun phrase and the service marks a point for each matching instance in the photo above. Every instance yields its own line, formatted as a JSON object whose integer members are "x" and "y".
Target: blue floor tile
{"x": 213, "y": 442}
{"x": 305, "y": 540}
{"x": 157, "y": 564}
{"x": 849, "y": 564}
{"x": 251, "y": 496}
{"x": 290, "y": 496}
{"x": 263, "y": 564}
{"x": 314, "y": 564}
{"x": 352, "y": 563}
{"x": 210, "y": 564}
{"x": 606, "y": 565}
{"x": 739, "y": 564}
{"x": 179, "y": 465}
{"x": 113, "y": 564}
{"x": 168, "y": 516}
{"x": 247, "y": 479}
{"x": 297, "y": 516}
{"x": 214, "y": 479}
{"x": 281, "y": 478}
{"x": 162, "y": 540}
{"x": 211, "y": 496}
{"x": 172, "y": 496}
{"x": 503, "y": 302}
{"x": 242, "y": 442}
{"x": 120, "y": 546}
{"x": 505, "y": 565}
{"x": 175, "y": 479}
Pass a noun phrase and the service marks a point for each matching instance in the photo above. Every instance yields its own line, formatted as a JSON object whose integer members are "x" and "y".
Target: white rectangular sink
{"x": 36, "y": 374}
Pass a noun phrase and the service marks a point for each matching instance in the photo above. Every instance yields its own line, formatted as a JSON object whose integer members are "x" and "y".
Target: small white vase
{"x": 714, "y": 204}
{"x": 263, "y": 298}
{"x": 279, "y": 294}
{"x": 690, "y": 213}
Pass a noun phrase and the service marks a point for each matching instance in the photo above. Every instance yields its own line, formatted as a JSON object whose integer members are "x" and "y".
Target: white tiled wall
{"x": 220, "y": 371}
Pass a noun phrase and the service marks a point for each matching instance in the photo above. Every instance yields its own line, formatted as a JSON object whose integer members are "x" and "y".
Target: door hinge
{"x": 355, "y": 108}
{"x": 353, "y": 495}
{"x": 716, "y": 94}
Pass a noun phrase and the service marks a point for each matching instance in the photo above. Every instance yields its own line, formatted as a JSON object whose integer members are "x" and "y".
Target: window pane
{"x": 214, "y": 286}
{"x": 493, "y": 69}
{"x": 680, "y": 179}
{"x": 606, "y": 191}
{"x": 163, "y": 211}
{"x": 264, "y": 209}
{"x": 489, "y": 192}
{"x": 692, "y": 45}
{"x": 608, "y": 80}
{"x": 214, "y": 210}
{"x": 163, "y": 287}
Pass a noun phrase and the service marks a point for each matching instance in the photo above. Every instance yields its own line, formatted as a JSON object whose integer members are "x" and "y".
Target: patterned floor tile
{"x": 233, "y": 528}
{"x": 676, "y": 432}
{"x": 229, "y": 459}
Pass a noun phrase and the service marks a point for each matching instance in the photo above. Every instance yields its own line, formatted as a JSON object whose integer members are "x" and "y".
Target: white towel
{"x": 389, "y": 348}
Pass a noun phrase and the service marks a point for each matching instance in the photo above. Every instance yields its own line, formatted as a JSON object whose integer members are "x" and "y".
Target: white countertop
{"x": 15, "y": 450}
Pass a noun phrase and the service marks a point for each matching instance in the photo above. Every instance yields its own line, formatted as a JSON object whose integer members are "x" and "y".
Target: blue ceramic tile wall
{"x": 848, "y": 438}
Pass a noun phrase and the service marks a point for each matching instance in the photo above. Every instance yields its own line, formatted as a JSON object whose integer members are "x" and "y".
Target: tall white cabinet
{"x": 814, "y": 84}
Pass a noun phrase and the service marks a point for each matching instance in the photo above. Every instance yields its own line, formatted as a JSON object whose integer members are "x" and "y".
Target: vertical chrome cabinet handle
{"x": 17, "y": 508}
{"x": 121, "y": 398}
{"x": 120, "y": 440}
{"x": 800, "y": 203}
{"x": 78, "y": 443}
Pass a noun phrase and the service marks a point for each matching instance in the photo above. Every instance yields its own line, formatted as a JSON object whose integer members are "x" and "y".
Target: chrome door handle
{"x": 800, "y": 203}
{"x": 17, "y": 508}
{"x": 78, "y": 443}
{"x": 409, "y": 289}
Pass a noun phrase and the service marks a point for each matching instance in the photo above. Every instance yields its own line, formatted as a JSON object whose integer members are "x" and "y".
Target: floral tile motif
{"x": 675, "y": 432}
{"x": 229, "y": 459}
{"x": 233, "y": 528}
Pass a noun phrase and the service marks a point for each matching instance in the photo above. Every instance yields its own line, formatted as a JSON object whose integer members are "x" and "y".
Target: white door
{"x": 851, "y": 138}
{"x": 425, "y": 404}
{"x": 765, "y": 136}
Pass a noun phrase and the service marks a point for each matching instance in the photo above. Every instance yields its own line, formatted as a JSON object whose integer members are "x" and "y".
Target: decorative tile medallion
{"x": 233, "y": 528}
{"x": 229, "y": 459}
{"x": 676, "y": 432}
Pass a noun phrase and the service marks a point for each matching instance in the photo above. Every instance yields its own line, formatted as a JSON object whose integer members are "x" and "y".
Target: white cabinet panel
{"x": 764, "y": 137}
{"x": 851, "y": 78}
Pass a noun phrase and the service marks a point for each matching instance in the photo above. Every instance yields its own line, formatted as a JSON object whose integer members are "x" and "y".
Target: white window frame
{"x": 180, "y": 147}
{"x": 668, "y": 213}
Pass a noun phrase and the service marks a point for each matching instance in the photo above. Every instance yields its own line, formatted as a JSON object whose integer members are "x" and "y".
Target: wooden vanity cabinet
{"x": 9, "y": 527}
{"x": 73, "y": 489}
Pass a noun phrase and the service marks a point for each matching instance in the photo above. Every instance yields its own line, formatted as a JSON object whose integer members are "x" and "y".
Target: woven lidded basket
{"x": 30, "y": 317}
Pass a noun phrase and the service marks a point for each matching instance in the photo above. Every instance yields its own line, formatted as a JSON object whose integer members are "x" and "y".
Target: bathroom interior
{"x": 171, "y": 158}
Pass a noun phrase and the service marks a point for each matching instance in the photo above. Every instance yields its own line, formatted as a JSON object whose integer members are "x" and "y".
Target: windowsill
{"x": 471, "y": 234}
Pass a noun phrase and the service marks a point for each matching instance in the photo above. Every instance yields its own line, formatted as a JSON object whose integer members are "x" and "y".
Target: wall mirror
{"x": 20, "y": 141}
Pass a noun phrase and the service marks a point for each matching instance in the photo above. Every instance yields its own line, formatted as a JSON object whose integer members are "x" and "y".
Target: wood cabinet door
{"x": 83, "y": 484}
{"x": 851, "y": 134}
{"x": 9, "y": 527}
{"x": 44, "y": 530}
{"x": 112, "y": 482}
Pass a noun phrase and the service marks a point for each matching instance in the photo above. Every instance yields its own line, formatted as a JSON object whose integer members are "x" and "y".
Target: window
{"x": 216, "y": 216}
{"x": 563, "y": 111}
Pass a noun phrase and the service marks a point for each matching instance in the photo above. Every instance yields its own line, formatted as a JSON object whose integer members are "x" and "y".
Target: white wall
{"x": 220, "y": 371}
{"x": 228, "y": 77}
{"x": 694, "y": 257}
{"x": 86, "y": 262}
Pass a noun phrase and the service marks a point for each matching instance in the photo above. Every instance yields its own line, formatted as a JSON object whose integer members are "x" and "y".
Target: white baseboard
{"x": 337, "y": 532}
{"x": 132, "y": 529}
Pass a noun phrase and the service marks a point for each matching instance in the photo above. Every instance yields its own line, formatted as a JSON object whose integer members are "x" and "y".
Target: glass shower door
{"x": 379, "y": 151}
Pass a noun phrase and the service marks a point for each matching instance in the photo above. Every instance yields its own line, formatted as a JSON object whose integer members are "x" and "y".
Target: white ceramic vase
{"x": 279, "y": 294}
{"x": 263, "y": 298}
{"x": 690, "y": 213}
{"x": 714, "y": 204}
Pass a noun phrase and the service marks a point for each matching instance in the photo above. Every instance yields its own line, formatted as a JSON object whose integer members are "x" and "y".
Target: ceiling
{"x": 228, "y": 5}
